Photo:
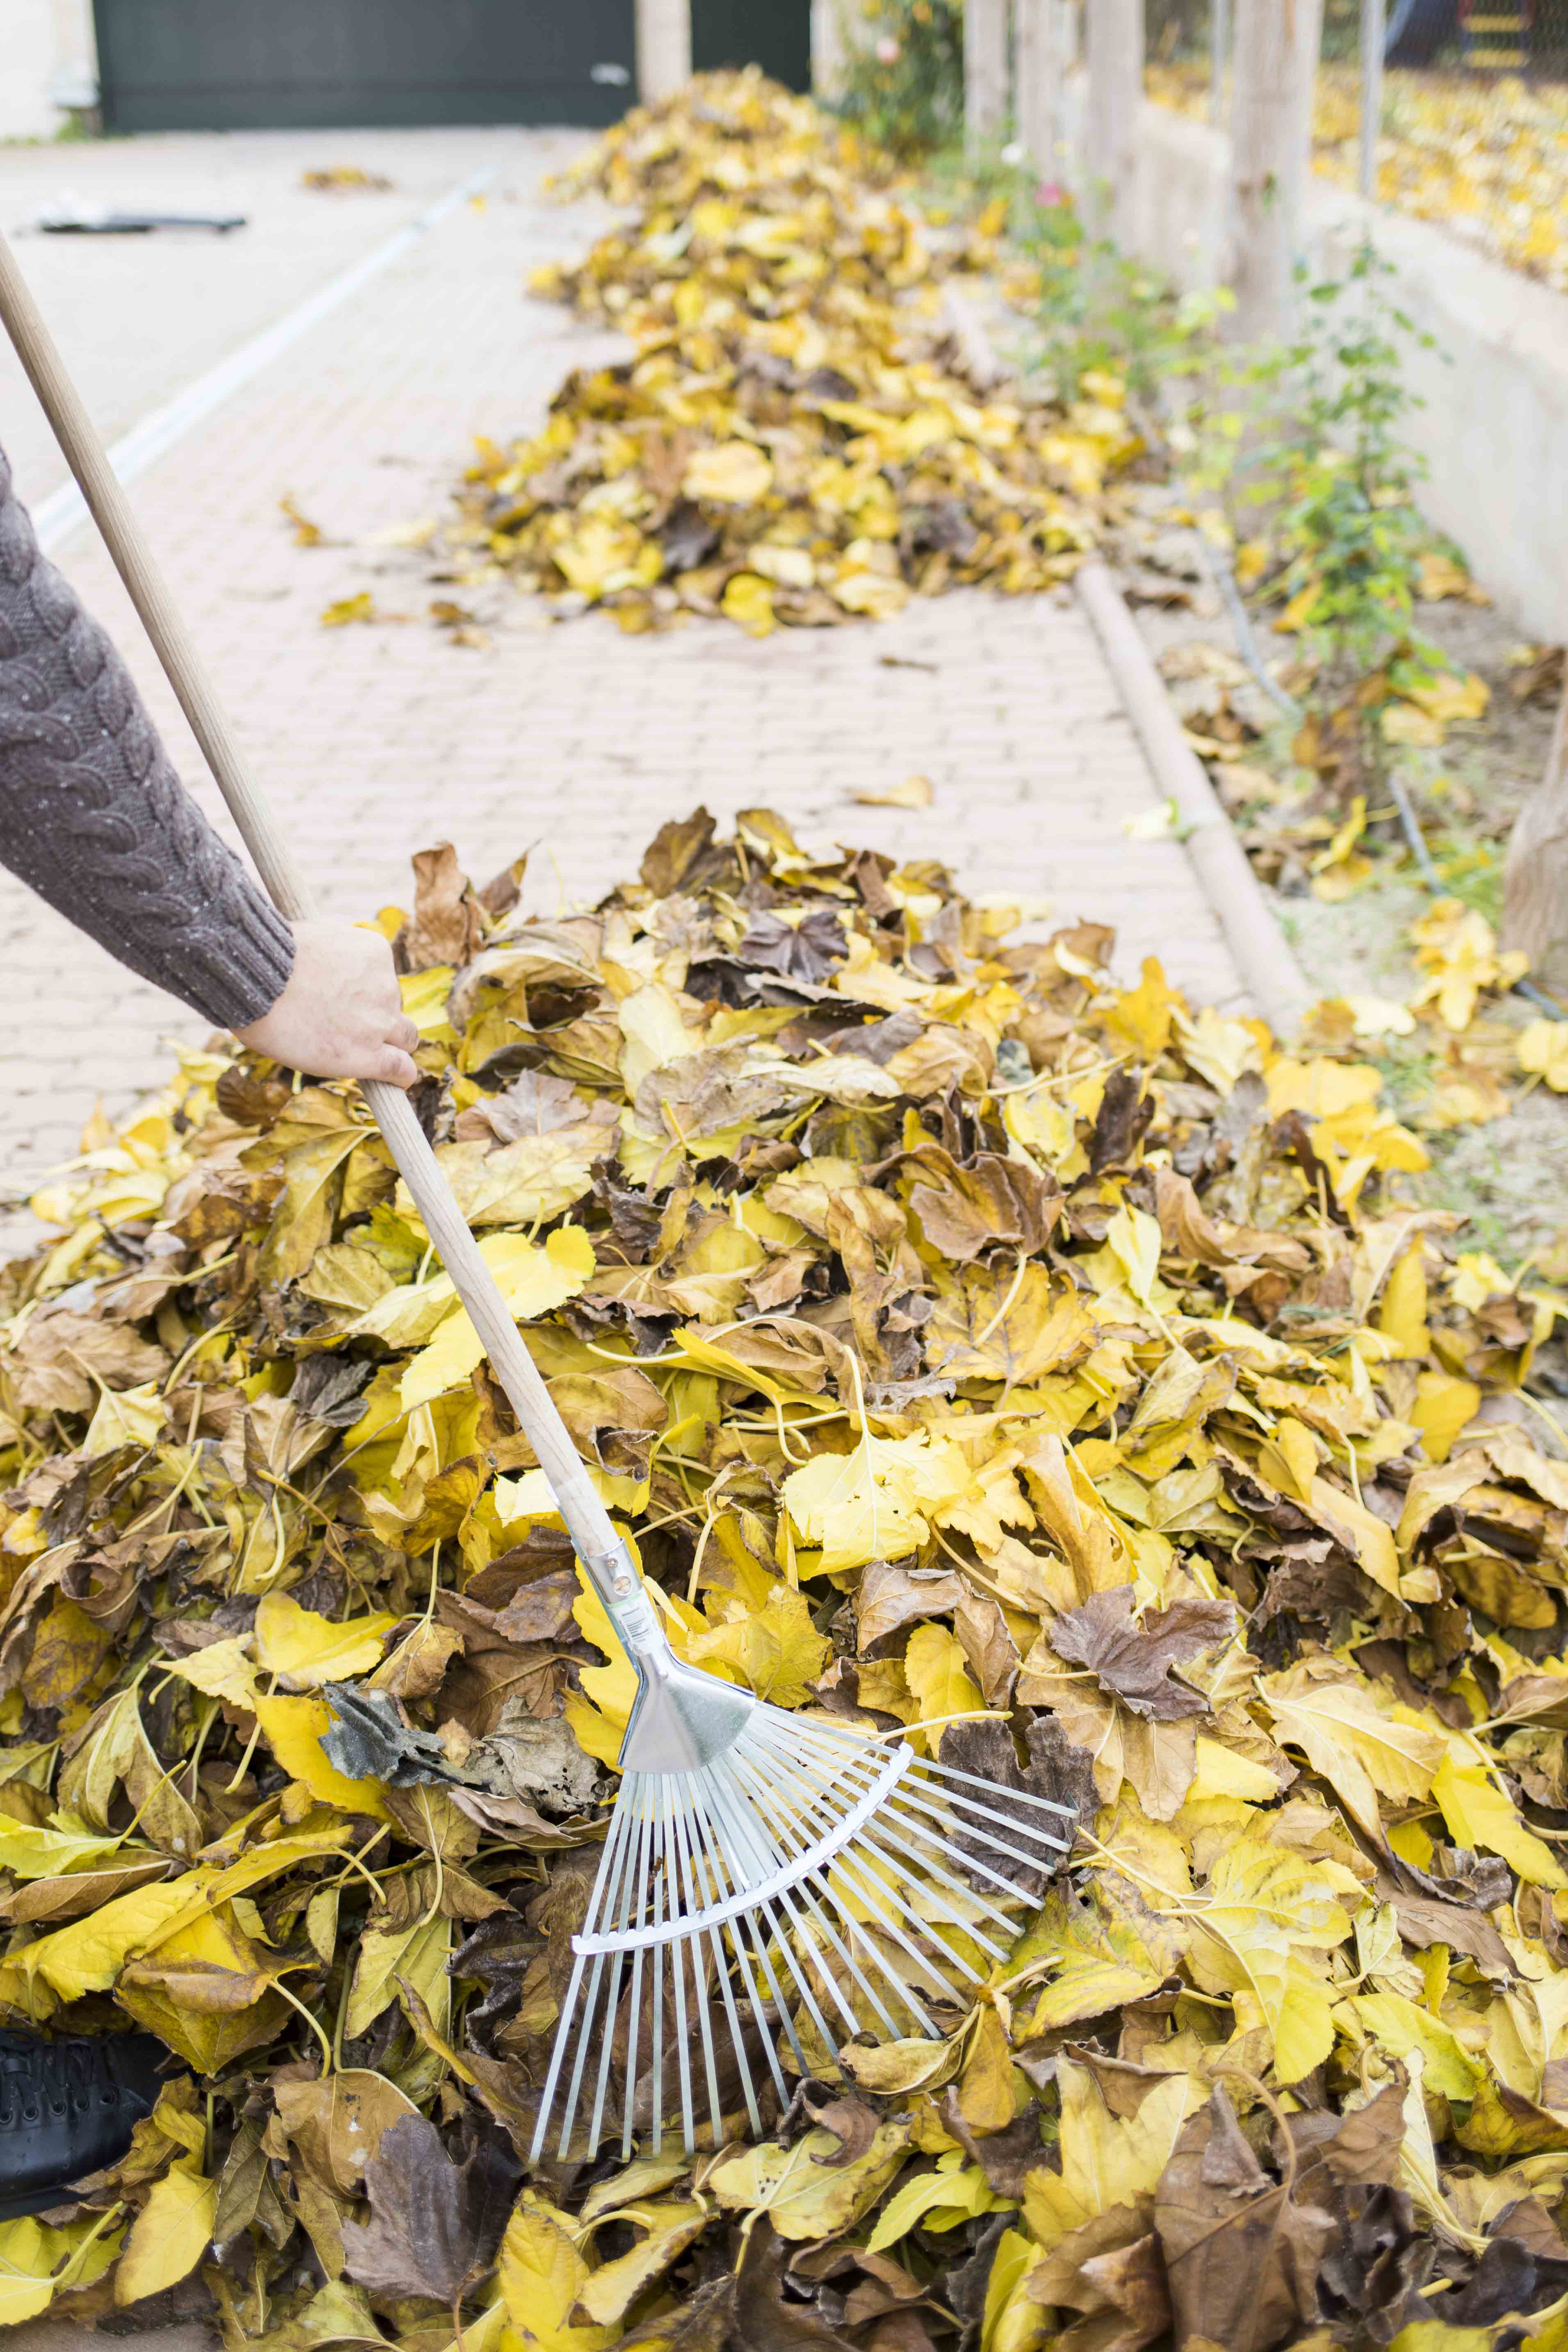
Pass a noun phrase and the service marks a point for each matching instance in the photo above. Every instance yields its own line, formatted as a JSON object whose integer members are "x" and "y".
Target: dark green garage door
{"x": 773, "y": 33}
{"x": 230, "y": 65}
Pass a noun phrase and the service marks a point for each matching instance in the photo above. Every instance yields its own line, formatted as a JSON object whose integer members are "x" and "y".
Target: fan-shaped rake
{"x": 803, "y": 1878}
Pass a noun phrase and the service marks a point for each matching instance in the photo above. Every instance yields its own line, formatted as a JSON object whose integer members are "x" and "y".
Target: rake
{"x": 766, "y": 1877}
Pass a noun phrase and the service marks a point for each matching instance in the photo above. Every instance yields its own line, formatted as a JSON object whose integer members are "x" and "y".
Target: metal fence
{"x": 1464, "y": 124}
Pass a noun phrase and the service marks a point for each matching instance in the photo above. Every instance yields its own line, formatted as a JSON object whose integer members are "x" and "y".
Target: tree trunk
{"x": 984, "y": 73}
{"x": 1115, "y": 99}
{"x": 1374, "y": 39}
{"x": 1040, "y": 34}
{"x": 1275, "y": 54}
{"x": 1535, "y": 902}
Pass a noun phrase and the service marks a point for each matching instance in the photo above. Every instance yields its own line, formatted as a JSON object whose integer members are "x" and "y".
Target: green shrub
{"x": 904, "y": 85}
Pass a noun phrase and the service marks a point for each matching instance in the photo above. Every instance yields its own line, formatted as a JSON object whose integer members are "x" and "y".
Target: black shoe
{"x": 68, "y": 2108}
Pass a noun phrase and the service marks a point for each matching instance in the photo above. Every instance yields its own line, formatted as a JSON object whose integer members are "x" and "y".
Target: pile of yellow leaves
{"x": 1488, "y": 159}
{"x": 956, "y": 1333}
{"x": 794, "y": 439}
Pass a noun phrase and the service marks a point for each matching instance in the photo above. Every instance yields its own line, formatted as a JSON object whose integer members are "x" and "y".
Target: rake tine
{"x": 899, "y": 1823}
{"x": 807, "y": 1897}
{"x": 868, "y": 1837}
{"x": 585, "y": 2042}
{"x": 769, "y": 1906}
{"x": 881, "y": 1836}
{"x": 897, "y": 1861}
{"x": 870, "y": 1883}
{"x": 984, "y": 1819}
{"x": 799, "y": 1972}
{"x": 656, "y": 2038}
{"x": 908, "y": 1802}
{"x": 840, "y": 1861}
{"x": 676, "y": 1947}
{"x": 738, "y": 1930}
{"x": 686, "y": 1870}
{"x": 929, "y": 1768}
{"x": 597, "y": 1904}
{"x": 713, "y": 1849}
{"x": 748, "y": 1920}
{"x": 905, "y": 1990}
{"x": 868, "y": 1834}
{"x": 558, "y": 2058}
{"x": 1023, "y": 1796}
{"x": 783, "y": 1940}
{"x": 753, "y": 1928}
{"x": 633, "y": 2021}
{"x": 811, "y": 1900}
{"x": 629, "y": 1883}
{"x": 743, "y": 1961}
{"x": 996, "y": 1825}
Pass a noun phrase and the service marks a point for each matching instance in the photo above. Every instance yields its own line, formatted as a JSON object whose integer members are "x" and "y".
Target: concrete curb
{"x": 1273, "y": 980}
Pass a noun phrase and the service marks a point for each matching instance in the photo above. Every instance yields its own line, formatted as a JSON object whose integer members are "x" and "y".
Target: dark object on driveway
{"x": 68, "y": 2108}
{"x": 89, "y": 220}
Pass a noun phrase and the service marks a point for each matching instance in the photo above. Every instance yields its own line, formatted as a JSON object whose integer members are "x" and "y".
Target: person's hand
{"x": 341, "y": 1014}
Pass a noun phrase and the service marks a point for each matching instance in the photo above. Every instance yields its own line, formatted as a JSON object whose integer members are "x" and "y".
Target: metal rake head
{"x": 804, "y": 1879}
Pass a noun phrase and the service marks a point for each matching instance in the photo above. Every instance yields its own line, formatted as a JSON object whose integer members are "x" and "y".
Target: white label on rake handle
{"x": 778, "y": 1882}
{"x": 632, "y": 1616}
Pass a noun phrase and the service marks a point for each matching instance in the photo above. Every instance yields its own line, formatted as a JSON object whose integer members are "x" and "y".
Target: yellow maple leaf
{"x": 1541, "y": 1048}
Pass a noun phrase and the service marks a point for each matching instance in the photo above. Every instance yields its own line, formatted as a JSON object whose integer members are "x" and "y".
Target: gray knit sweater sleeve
{"x": 92, "y": 815}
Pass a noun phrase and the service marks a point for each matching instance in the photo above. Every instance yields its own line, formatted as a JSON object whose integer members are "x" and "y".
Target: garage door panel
{"x": 773, "y": 33}
{"x": 175, "y": 64}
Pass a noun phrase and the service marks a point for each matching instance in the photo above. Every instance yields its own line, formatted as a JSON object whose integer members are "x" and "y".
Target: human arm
{"x": 94, "y": 819}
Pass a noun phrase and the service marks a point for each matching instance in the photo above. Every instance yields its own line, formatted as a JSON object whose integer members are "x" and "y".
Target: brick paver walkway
{"x": 376, "y": 741}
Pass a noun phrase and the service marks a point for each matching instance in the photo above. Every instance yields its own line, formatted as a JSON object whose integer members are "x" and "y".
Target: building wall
{"x": 47, "y": 62}
{"x": 27, "y": 62}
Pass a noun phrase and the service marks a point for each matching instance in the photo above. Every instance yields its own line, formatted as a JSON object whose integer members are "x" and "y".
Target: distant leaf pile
{"x": 1488, "y": 159}
{"x": 975, "y": 1349}
{"x": 796, "y": 440}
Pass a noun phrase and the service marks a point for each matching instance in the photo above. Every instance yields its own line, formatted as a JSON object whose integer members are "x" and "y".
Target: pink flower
{"x": 887, "y": 50}
{"x": 1050, "y": 192}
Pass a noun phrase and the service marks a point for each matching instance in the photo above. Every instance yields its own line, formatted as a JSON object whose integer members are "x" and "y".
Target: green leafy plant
{"x": 1307, "y": 441}
{"x": 1312, "y": 433}
{"x": 1100, "y": 311}
{"x": 904, "y": 82}
{"x": 1340, "y": 476}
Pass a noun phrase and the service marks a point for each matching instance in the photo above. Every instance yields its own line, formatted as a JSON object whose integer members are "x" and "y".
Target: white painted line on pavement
{"x": 65, "y": 510}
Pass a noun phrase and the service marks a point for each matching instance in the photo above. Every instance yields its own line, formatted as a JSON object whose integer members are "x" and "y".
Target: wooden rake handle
{"x": 601, "y": 1549}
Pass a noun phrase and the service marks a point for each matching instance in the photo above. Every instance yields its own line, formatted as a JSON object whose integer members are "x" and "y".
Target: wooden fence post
{"x": 1277, "y": 46}
{"x": 1116, "y": 39}
{"x": 829, "y": 47}
{"x": 1041, "y": 33}
{"x": 985, "y": 92}
{"x": 664, "y": 47}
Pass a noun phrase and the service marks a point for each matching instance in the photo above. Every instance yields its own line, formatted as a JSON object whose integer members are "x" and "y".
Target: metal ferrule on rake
{"x": 770, "y": 1874}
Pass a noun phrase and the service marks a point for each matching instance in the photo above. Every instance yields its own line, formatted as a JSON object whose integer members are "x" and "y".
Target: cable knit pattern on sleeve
{"x": 92, "y": 815}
